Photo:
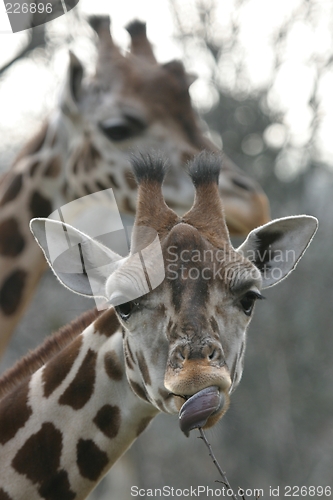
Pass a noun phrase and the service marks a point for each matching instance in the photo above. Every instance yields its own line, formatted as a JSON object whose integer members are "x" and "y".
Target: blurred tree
{"x": 264, "y": 73}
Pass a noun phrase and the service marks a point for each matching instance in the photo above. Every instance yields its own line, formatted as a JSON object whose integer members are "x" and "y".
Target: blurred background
{"x": 264, "y": 91}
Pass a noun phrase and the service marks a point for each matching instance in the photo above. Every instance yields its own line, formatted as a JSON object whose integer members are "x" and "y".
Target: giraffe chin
{"x": 203, "y": 409}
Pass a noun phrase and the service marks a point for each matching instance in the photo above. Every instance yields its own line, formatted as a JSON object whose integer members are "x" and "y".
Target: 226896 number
{"x": 311, "y": 491}
{"x": 32, "y": 8}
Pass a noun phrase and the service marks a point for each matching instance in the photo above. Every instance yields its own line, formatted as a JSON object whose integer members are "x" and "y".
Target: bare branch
{"x": 217, "y": 465}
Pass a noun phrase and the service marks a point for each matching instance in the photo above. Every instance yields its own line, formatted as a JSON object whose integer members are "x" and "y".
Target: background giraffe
{"x": 131, "y": 104}
{"x": 75, "y": 410}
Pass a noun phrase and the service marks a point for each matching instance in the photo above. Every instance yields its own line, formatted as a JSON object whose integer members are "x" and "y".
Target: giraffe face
{"x": 184, "y": 330}
{"x": 194, "y": 323}
{"x": 144, "y": 108}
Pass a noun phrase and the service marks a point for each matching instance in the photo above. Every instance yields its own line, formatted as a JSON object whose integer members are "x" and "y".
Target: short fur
{"x": 149, "y": 167}
{"x": 97, "y": 21}
{"x": 205, "y": 168}
{"x": 136, "y": 27}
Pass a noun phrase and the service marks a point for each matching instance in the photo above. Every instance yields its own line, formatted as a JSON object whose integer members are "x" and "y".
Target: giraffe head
{"x": 184, "y": 296}
{"x": 133, "y": 103}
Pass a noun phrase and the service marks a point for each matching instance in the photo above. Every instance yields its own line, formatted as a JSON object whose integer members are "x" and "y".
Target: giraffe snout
{"x": 209, "y": 351}
{"x": 194, "y": 366}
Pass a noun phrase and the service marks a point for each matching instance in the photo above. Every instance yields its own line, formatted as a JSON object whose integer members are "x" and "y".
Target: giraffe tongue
{"x": 198, "y": 408}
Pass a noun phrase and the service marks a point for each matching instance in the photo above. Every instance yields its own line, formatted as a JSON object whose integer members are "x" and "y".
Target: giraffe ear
{"x": 73, "y": 83}
{"x": 278, "y": 246}
{"x": 81, "y": 263}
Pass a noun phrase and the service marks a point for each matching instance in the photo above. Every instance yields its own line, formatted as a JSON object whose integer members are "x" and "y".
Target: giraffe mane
{"x": 53, "y": 344}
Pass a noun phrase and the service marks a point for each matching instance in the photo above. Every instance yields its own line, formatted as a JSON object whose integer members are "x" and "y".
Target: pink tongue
{"x": 196, "y": 410}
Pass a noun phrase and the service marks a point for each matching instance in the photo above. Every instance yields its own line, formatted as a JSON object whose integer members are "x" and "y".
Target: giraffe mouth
{"x": 199, "y": 407}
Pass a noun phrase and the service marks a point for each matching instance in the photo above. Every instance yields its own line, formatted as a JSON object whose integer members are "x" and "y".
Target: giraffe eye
{"x": 122, "y": 128}
{"x": 248, "y": 300}
{"x": 125, "y": 310}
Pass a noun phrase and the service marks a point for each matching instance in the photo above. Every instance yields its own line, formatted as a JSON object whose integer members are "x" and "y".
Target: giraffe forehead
{"x": 148, "y": 90}
{"x": 197, "y": 272}
{"x": 186, "y": 247}
{"x": 135, "y": 76}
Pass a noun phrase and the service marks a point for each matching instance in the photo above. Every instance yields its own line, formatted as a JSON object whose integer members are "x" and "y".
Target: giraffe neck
{"x": 34, "y": 187}
{"x": 74, "y": 417}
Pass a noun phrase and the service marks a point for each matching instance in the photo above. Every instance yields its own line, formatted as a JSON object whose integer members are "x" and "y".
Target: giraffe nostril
{"x": 215, "y": 353}
{"x": 181, "y": 355}
{"x": 212, "y": 354}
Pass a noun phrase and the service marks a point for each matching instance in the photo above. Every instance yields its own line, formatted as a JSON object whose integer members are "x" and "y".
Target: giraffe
{"x": 132, "y": 103}
{"x": 72, "y": 407}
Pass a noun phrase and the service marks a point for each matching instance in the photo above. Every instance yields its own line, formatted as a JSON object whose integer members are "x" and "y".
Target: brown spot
{"x": 57, "y": 369}
{"x": 143, "y": 368}
{"x": 129, "y": 177}
{"x": 14, "y": 412}
{"x": 90, "y": 459}
{"x": 113, "y": 181}
{"x": 113, "y": 366}
{"x": 108, "y": 420}
{"x": 143, "y": 425}
{"x": 107, "y": 324}
{"x": 138, "y": 390}
{"x": 4, "y": 495}
{"x": 33, "y": 168}
{"x": 81, "y": 388}
{"x": 11, "y": 240}
{"x": 57, "y": 486}
{"x": 12, "y": 190}
{"x": 54, "y": 167}
{"x": 11, "y": 292}
{"x": 39, "y": 206}
{"x": 39, "y": 457}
